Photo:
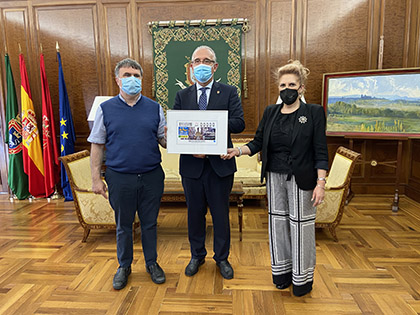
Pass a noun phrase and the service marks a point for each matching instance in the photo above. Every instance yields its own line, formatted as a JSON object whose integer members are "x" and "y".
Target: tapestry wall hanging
{"x": 174, "y": 43}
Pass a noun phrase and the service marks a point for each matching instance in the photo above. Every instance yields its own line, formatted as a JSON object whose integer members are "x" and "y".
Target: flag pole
{"x": 56, "y": 195}
{"x": 11, "y": 195}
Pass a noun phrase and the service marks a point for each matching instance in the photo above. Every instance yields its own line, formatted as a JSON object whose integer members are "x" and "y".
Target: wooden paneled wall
{"x": 327, "y": 36}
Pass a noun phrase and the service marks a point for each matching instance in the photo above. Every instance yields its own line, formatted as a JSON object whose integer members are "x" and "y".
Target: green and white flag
{"x": 17, "y": 179}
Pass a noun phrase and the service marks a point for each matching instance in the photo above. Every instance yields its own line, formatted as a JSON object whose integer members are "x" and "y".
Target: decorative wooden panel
{"x": 337, "y": 33}
{"x": 118, "y": 28}
{"x": 413, "y": 189}
{"x": 74, "y": 27}
{"x": 279, "y": 51}
{"x": 415, "y": 161}
{"x": 412, "y": 44}
{"x": 394, "y": 32}
{"x": 16, "y": 33}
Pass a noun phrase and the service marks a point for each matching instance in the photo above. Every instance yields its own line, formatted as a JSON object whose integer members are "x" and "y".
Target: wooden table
{"x": 174, "y": 192}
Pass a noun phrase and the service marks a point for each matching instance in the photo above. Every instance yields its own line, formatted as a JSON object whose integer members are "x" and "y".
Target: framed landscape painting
{"x": 373, "y": 103}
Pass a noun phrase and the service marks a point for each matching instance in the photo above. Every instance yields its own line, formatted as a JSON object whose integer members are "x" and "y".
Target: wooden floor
{"x": 45, "y": 269}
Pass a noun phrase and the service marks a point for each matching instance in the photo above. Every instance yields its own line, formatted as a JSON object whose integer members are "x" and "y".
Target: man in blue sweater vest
{"x": 130, "y": 126}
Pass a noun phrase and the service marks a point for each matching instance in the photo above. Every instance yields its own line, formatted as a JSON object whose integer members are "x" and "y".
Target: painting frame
{"x": 372, "y": 103}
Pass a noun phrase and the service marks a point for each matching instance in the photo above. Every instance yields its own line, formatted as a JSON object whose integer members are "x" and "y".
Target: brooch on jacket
{"x": 303, "y": 119}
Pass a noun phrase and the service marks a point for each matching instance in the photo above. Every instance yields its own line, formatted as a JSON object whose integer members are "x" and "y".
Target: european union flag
{"x": 67, "y": 135}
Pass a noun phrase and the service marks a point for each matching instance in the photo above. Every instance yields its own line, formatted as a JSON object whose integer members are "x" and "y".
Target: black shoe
{"x": 226, "y": 269}
{"x": 193, "y": 265}
{"x": 302, "y": 290}
{"x": 156, "y": 273}
{"x": 283, "y": 286}
{"x": 121, "y": 277}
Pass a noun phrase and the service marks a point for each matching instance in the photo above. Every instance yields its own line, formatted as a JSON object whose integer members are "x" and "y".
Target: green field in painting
{"x": 362, "y": 123}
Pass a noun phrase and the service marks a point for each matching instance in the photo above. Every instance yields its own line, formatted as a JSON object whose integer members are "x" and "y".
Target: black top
{"x": 309, "y": 150}
{"x": 280, "y": 144}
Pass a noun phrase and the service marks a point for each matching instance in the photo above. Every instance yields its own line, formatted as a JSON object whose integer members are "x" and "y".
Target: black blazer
{"x": 222, "y": 97}
{"x": 309, "y": 142}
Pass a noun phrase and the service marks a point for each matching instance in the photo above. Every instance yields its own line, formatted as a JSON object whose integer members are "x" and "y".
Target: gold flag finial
{"x": 20, "y": 48}
{"x": 40, "y": 47}
{"x": 57, "y": 47}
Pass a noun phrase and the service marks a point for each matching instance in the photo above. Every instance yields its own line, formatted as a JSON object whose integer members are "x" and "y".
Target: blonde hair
{"x": 296, "y": 68}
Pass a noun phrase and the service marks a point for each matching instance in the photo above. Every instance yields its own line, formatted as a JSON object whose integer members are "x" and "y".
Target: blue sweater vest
{"x": 131, "y": 141}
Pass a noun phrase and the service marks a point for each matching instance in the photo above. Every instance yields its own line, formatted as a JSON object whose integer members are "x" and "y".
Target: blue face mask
{"x": 131, "y": 85}
{"x": 202, "y": 73}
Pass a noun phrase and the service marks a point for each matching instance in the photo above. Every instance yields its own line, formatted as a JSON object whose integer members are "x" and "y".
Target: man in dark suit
{"x": 208, "y": 180}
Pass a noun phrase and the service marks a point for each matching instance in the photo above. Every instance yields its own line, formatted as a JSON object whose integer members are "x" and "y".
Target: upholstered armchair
{"x": 249, "y": 174}
{"x": 330, "y": 212}
{"x": 93, "y": 211}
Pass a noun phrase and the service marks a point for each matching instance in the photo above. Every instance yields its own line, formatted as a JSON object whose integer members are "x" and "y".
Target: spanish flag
{"x": 32, "y": 153}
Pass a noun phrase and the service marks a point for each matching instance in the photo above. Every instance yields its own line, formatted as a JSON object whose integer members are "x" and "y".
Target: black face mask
{"x": 289, "y": 96}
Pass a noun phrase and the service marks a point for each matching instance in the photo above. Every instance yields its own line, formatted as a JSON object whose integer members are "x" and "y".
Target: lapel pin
{"x": 218, "y": 92}
{"x": 303, "y": 119}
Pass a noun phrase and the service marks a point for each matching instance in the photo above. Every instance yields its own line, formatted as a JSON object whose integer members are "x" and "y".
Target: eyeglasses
{"x": 127, "y": 75}
{"x": 206, "y": 61}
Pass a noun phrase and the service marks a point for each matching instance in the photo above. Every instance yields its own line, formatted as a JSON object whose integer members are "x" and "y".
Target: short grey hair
{"x": 127, "y": 63}
{"x": 205, "y": 47}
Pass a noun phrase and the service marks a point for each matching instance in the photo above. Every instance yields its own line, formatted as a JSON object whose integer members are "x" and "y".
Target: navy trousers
{"x": 212, "y": 190}
{"x": 131, "y": 193}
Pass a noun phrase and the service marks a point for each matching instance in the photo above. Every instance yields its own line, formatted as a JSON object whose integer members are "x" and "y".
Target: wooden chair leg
{"x": 136, "y": 232}
{"x": 86, "y": 232}
{"x": 333, "y": 233}
{"x": 240, "y": 217}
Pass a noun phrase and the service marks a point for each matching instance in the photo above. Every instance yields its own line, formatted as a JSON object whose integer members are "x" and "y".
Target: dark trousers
{"x": 131, "y": 193}
{"x": 214, "y": 191}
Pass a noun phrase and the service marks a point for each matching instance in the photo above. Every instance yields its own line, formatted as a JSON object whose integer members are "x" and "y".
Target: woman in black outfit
{"x": 291, "y": 137}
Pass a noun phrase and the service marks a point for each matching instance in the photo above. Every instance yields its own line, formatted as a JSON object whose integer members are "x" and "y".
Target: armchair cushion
{"x": 339, "y": 171}
{"x": 249, "y": 169}
{"x": 95, "y": 209}
{"x": 328, "y": 211}
{"x": 170, "y": 164}
{"x": 248, "y": 172}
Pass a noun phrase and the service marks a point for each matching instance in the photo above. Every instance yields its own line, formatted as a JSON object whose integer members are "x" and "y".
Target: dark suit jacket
{"x": 309, "y": 142}
{"x": 222, "y": 97}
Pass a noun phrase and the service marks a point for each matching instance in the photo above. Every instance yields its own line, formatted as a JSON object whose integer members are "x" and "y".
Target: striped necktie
{"x": 202, "y": 102}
